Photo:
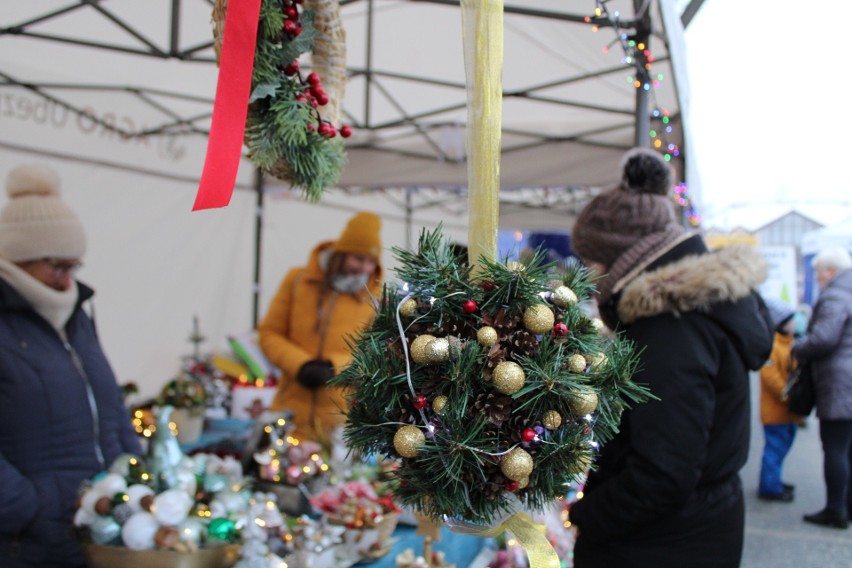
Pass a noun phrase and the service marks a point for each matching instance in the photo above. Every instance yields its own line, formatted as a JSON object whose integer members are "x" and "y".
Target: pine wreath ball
{"x": 471, "y": 447}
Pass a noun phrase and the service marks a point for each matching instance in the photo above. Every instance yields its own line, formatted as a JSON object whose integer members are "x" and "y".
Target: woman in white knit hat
{"x": 62, "y": 418}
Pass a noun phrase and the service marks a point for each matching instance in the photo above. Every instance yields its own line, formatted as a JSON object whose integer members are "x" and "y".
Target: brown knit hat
{"x": 640, "y": 206}
{"x": 361, "y": 235}
{"x": 36, "y": 223}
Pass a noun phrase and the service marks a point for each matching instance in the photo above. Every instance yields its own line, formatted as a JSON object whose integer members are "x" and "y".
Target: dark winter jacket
{"x": 667, "y": 489}
{"x": 62, "y": 420}
{"x": 828, "y": 346}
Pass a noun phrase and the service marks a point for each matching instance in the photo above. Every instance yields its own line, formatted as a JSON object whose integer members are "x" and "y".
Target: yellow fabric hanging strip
{"x": 482, "y": 35}
{"x": 528, "y": 533}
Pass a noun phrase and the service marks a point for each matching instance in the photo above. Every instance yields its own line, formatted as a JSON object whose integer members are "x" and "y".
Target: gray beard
{"x": 349, "y": 283}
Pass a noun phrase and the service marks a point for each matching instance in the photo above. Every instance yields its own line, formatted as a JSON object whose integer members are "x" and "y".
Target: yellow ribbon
{"x": 528, "y": 533}
{"x": 482, "y": 35}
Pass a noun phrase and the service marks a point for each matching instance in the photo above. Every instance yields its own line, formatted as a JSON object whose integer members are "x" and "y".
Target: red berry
{"x": 298, "y": 1}
{"x": 527, "y": 434}
{"x": 511, "y": 485}
{"x": 297, "y": 31}
{"x": 290, "y": 26}
{"x": 420, "y": 402}
{"x": 291, "y": 12}
{"x": 311, "y": 126}
{"x": 488, "y": 285}
{"x": 292, "y": 68}
{"x": 322, "y": 99}
{"x": 346, "y": 131}
{"x": 323, "y": 128}
{"x": 313, "y": 79}
{"x": 469, "y": 306}
{"x": 560, "y": 329}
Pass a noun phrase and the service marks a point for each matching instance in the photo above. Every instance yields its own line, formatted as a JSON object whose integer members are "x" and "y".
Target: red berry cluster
{"x": 313, "y": 93}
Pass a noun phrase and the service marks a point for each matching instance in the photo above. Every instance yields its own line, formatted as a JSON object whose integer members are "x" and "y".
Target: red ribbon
{"x": 225, "y": 143}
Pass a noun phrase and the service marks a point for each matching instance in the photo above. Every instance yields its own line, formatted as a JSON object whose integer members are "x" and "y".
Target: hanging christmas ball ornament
{"x": 487, "y": 336}
{"x": 408, "y": 308}
{"x": 522, "y": 483}
{"x": 577, "y": 363}
{"x": 420, "y": 402}
{"x": 438, "y": 351}
{"x": 438, "y": 404}
{"x": 584, "y": 402}
{"x": 508, "y": 377}
{"x": 539, "y": 319}
{"x": 551, "y": 420}
{"x": 221, "y": 529}
{"x": 407, "y": 440}
{"x": 418, "y": 348}
{"x": 564, "y": 297}
{"x": 527, "y": 434}
{"x": 469, "y": 306}
{"x": 517, "y": 464}
{"x": 560, "y": 329}
{"x": 105, "y": 530}
{"x": 598, "y": 324}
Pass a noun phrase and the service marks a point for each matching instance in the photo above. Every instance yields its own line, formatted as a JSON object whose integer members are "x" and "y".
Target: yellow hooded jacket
{"x": 296, "y": 330}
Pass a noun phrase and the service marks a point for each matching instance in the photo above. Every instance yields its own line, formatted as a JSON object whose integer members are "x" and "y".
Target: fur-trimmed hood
{"x": 693, "y": 283}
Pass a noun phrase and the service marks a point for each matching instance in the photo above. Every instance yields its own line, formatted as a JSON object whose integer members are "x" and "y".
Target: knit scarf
{"x": 53, "y": 305}
{"x": 641, "y": 254}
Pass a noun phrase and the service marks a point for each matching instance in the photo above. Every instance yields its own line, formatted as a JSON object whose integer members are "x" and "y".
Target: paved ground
{"x": 776, "y": 536}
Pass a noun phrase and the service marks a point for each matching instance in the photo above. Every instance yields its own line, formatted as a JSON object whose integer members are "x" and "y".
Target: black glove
{"x": 314, "y": 374}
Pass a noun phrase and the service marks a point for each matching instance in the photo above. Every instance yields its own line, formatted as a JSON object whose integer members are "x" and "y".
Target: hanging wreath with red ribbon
{"x": 288, "y": 119}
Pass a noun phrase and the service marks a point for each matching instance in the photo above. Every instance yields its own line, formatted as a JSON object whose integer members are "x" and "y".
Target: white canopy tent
{"x": 117, "y": 96}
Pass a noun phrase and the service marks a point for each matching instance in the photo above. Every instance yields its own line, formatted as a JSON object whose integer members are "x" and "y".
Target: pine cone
{"x": 523, "y": 342}
{"x": 495, "y": 356}
{"x": 501, "y": 321}
{"x": 497, "y": 408}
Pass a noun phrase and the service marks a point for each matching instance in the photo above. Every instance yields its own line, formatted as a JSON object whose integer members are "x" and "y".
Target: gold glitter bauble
{"x": 564, "y": 297}
{"x": 439, "y": 403}
{"x": 523, "y": 482}
{"x": 577, "y": 363}
{"x": 598, "y": 360}
{"x": 487, "y": 336}
{"x": 551, "y": 420}
{"x": 517, "y": 464}
{"x": 419, "y": 354}
{"x": 514, "y": 266}
{"x": 508, "y": 377}
{"x": 539, "y": 319}
{"x": 598, "y": 324}
{"x": 407, "y": 439}
{"x": 408, "y": 308}
{"x": 438, "y": 350}
{"x": 584, "y": 402}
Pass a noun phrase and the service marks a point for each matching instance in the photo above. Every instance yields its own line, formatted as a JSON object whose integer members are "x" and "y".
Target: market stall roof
{"x": 130, "y": 85}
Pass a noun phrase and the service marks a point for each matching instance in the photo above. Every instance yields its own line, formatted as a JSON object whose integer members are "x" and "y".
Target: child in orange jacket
{"x": 779, "y": 424}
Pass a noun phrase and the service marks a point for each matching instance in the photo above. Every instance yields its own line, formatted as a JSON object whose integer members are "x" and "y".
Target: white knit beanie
{"x": 36, "y": 223}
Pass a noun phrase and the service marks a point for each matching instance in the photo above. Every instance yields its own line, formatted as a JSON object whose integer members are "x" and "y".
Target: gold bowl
{"x": 100, "y": 556}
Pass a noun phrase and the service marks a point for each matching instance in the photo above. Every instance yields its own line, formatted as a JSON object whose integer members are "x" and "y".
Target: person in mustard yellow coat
{"x": 779, "y": 424}
{"x": 316, "y": 308}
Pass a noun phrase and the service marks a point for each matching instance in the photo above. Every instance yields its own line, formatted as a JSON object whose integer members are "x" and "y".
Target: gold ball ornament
{"x": 408, "y": 308}
{"x": 515, "y": 266}
{"x": 584, "y": 402}
{"x": 551, "y": 420}
{"x": 564, "y": 297}
{"x": 487, "y": 336}
{"x": 438, "y": 350}
{"x": 508, "y": 377}
{"x": 539, "y": 319}
{"x": 407, "y": 439}
{"x": 517, "y": 464}
{"x": 438, "y": 404}
{"x": 522, "y": 483}
{"x": 577, "y": 363}
{"x": 598, "y": 324}
{"x": 419, "y": 353}
{"x": 598, "y": 360}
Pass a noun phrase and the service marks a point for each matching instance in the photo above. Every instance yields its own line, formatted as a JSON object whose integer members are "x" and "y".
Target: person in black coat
{"x": 62, "y": 417}
{"x": 666, "y": 490}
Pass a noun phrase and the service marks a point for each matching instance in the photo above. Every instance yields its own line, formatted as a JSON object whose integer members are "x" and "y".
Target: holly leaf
{"x": 302, "y": 43}
{"x": 263, "y": 91}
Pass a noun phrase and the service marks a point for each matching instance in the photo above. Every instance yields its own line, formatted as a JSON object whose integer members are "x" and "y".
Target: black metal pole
{"x": 643, "y": 95}
{"x": 258, "y": 241}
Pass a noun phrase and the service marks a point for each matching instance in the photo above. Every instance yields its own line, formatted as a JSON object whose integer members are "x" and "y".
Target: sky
{"x": 770, "y": 110}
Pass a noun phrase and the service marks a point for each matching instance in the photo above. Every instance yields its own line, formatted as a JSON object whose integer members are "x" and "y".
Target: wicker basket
{"x": 328, "y": 59}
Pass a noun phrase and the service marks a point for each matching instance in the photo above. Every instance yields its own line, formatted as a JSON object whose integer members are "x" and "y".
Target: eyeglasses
{"x": 62, "y": 268}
